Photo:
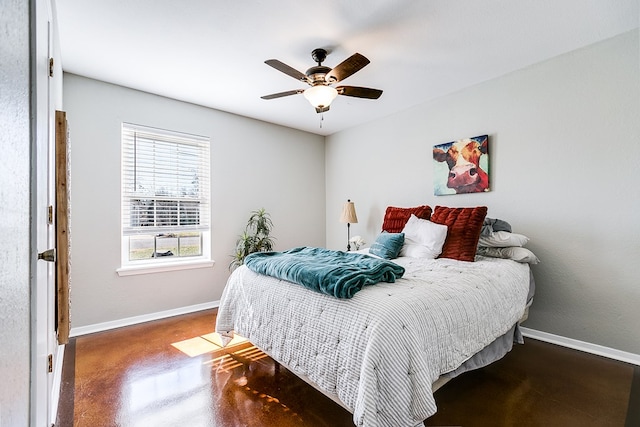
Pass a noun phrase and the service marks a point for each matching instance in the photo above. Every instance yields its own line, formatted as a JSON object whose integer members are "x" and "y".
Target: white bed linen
{"x": 380, "y": 351}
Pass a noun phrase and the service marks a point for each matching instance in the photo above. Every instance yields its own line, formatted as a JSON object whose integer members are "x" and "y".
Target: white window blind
{"x": 165, "y": 181}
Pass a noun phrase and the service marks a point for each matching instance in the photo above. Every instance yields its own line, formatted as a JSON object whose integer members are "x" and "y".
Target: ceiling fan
{"x": 320, "y": 78}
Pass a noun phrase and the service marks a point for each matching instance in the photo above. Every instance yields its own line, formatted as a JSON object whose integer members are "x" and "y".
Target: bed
{"x": 382, "y": 352}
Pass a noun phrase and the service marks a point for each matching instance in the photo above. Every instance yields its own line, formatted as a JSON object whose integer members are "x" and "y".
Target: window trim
{"x": 161, "y": 264}
{"x": 164, "y": 266}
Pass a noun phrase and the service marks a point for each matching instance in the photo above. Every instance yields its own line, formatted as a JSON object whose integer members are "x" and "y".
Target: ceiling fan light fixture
{"x": 320, "y": 96}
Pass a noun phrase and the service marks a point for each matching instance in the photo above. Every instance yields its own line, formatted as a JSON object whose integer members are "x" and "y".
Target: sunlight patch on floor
{"x": 207, "y": 343}
{"x": 227, "y": 362}
{"x": 195, "y": 346}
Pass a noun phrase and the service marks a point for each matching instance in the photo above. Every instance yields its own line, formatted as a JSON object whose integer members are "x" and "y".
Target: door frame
{"x": 44, "y": 349}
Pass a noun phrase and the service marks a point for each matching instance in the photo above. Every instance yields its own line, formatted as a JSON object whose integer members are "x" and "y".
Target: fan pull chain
{"x": 321, "y": 119}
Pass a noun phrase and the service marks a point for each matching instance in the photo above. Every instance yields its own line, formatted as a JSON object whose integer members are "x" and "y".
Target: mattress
{"x": 380, "y": 352}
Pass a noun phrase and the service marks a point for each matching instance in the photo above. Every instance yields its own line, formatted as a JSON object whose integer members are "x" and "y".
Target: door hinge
{"x": 50, "y": 67}
{"x": 50, "y": 209}
{"x": 50, "y": 360}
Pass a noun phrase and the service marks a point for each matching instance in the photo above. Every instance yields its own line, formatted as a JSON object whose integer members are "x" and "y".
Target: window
{"x": 165, "y": 197}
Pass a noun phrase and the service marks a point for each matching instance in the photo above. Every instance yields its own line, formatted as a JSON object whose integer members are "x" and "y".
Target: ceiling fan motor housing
{"x": 317, "y": 74}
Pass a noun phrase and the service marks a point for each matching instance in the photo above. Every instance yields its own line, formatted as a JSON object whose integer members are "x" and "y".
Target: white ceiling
{"x": 212, "y": 52}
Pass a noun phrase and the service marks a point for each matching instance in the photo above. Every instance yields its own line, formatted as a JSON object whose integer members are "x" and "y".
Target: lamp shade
{"x": 320, "y": 96}
{"x": 349, "y": 213}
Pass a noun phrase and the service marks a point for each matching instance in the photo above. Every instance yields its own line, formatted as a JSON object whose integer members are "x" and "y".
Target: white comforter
{"x": 380, "y": 351}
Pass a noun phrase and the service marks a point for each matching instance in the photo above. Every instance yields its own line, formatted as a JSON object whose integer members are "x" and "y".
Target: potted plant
{"x": 255, "y": 238}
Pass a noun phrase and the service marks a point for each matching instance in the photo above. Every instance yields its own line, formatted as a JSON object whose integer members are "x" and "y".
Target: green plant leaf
{"x": 255, "y": 238}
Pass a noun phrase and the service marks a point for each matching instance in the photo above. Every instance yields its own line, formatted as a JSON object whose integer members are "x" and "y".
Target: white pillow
{"x": 503, "y": 239}
{"x": 514, "y": 253}
{"x": 414, "y": 250}
{"x": 423, "y": 238}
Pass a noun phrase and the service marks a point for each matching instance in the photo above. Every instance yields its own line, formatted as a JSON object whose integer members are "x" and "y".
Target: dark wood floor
{"x": 171, "y": 373}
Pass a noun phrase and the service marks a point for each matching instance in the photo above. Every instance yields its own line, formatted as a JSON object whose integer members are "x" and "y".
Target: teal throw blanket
{"x": 336, "y": 273}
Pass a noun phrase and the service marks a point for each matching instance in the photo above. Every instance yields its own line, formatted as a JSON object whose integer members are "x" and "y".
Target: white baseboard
{"x": 105, "y": 326}
{"x": 57, "y": 383}
{"x": 587, "y": 347}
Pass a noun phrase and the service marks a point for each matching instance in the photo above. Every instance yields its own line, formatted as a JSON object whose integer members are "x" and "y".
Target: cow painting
{"x": 462, "y": 166}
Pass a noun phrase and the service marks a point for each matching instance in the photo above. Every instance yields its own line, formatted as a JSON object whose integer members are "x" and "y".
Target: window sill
{"x": 132, "y": 270}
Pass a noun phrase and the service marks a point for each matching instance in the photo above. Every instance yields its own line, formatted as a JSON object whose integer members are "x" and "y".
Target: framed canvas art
{"x": 461, "y": 166}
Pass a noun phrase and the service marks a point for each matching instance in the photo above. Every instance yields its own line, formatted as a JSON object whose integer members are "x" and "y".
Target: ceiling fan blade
{"x": 281, "y": 94}
{"x": 349, "y": 66}
{"x": 281, "y": 66}
{"x": 359, "y": 92}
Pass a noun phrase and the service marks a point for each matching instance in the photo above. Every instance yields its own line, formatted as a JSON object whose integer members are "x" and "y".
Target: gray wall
{"x": 562, "y": 135}
{"x": 253, "y": 165}
{"x": 15, "y": 211}
{"x": 565, "y": 171}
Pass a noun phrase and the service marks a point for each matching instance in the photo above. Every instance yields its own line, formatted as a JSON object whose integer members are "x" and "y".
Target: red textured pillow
{"x": 396, "y": 218}
{"x": 464, "y": 227}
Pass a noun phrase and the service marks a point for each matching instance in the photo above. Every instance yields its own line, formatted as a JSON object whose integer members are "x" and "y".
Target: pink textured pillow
{"x": 464, "y": 227}
{"x": 396, "y": 218}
